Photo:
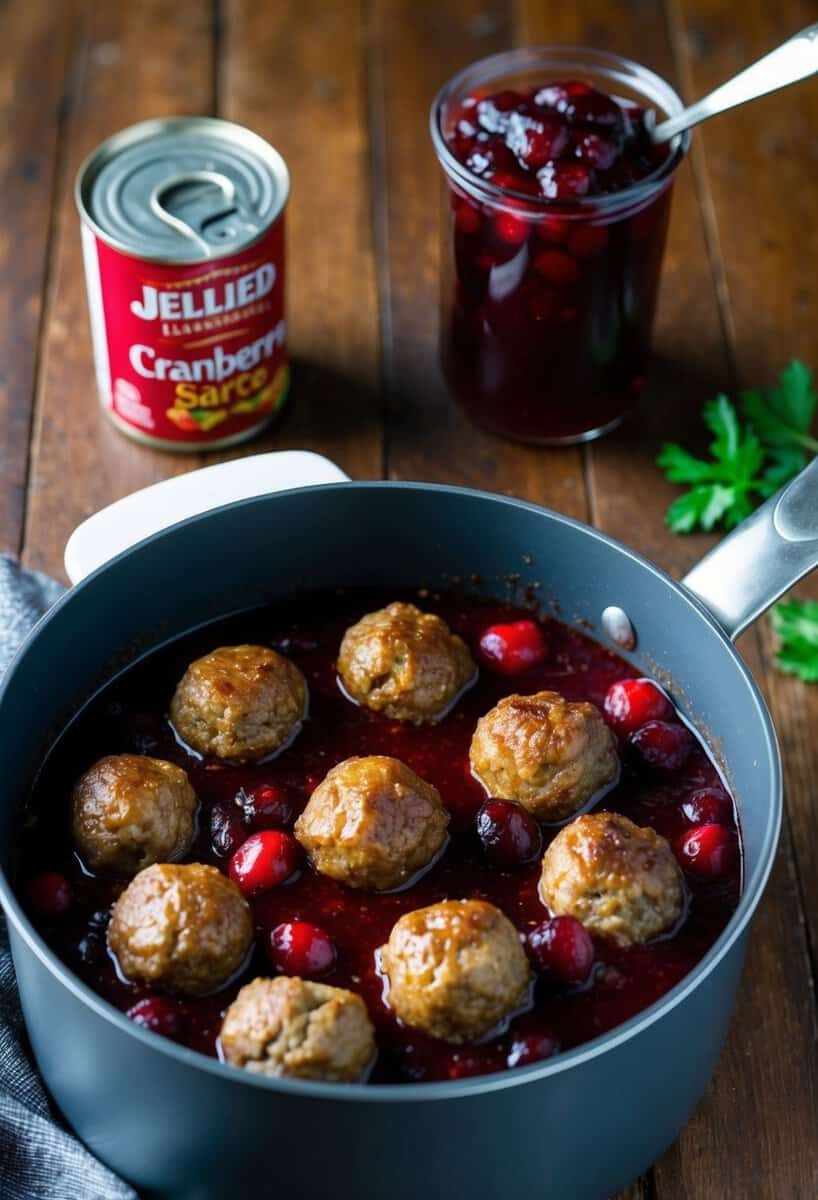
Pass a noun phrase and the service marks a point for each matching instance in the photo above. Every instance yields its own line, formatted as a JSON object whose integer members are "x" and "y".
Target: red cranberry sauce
{"x": 130, "y": 716}
{"x": 547, "y": 310}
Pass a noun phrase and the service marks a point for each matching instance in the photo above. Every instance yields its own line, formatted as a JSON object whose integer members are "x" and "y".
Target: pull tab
{"x": 199, "y": 205}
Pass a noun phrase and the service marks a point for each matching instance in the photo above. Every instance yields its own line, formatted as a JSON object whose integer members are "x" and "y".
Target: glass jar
{"x": 553, "y": 353}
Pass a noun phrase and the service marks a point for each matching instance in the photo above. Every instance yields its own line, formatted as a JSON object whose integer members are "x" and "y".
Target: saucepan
{"x": 576, "y": 1127}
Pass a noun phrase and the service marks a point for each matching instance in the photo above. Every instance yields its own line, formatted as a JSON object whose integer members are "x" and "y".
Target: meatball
{"x": 183, "y": 927}
{"x": 128, "y": 811}
{"x": 455, "y": 969}
{"x": 372, "y": 823}
{"x": 618, "y": 879}
{"x": 287, "y": 1026}
{"x": 239, "y": 703}
{"x": 550, "y": 754}
{"x": 404, "y": 663}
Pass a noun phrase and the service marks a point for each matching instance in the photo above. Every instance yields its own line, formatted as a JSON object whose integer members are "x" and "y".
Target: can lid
{"x": 182, "y": 189}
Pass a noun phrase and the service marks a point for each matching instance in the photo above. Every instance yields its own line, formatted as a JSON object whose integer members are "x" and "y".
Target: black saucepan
{"x": 578, "y": 1126}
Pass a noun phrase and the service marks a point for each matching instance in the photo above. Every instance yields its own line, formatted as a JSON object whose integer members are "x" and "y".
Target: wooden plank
{"x": 767, "y": 241}
{"x": 415, "y": 48}
{"x": 731, "y": 1145}
{"x": 137, "y": 61}
{"x": 34, "y": 53}
{"x": 763, "y": 153}
{"x": 295, "y": 73}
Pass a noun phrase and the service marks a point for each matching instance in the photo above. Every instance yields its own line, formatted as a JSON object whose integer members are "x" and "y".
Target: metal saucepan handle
{"x": 766, "y": 555}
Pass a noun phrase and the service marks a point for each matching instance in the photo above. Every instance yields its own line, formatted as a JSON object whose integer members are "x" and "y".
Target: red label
{"x": 193, "y": 353}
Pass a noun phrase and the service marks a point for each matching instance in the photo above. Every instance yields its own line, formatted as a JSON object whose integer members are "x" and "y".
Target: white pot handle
{"x": 127, "y": 521}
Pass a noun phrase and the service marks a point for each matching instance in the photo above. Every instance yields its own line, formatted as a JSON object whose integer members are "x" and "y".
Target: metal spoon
{"x": 795, "y": 59}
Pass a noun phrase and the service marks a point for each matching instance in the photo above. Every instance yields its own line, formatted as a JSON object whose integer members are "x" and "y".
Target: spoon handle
{"x": 795, "y": 59}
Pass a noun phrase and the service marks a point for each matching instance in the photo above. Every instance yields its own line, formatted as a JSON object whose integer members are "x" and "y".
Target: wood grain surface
{"x": 343, "y": 90}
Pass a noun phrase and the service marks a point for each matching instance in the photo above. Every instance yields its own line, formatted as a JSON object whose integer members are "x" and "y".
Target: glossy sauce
{"x": 130, "y": 716}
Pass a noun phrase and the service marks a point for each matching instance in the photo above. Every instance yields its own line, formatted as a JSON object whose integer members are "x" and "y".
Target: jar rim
{"x": 616, "y": 67}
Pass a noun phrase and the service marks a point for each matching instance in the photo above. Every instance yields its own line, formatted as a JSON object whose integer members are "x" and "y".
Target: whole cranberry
{"x": 530, "y": 1048}
{"x": 159, "y": 1014}
{"x": 562, "y": 947}
{"x": 556, "y": 267}
{"x": 661, "y": 745}
{"x": 511, "y": 229}
{"x": 510, "y": 649}
{"x": 565, "y": 180}
{"x": 708, "y": 806}
{"x": 227, "y": 830}
{"x": 299, "y": 948}
{"x": 264, "y": 861}
{"x": 708, "y": 851}
{"x": 547, "y": 142}
{"x": 593, "y": 108}
{"x": 554, "y": 231}
{"x": 508, "y": 832}
{"x": 49, "y": 894}
{"x": 631, "y": 703}
{"x": 467, "y": 218}
{"x": 267, "y": 807}
{"x": 597, "y": 151}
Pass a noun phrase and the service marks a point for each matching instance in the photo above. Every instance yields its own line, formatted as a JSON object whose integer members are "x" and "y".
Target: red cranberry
{"x": 708, "y": 806}
{"x": 299, "y": 948}
{"x": 565, "y": 180}
{"x": 556, "y": 267}
{"x": 631, "y": 703}
{"x": 514, "y": 183}
{"x": 597, "y": 151}
{"x": 510, "y": 229}
{"x": 509, "y": 649}
{"x": 531, "y": 1048}
{"x": 227, "y": 830}
{"x": 267, "y": 807}
{"x": 588, "y": 241}
{"x": 709, "y": 851}
{"x": 593, "y": 108}
{"x": 562, "y": 947}
{"x": 547, "y": 142}
{"x": 158, "y": 1014}
{"x": 554, "y": 231}
{"x": 662, "y": 746}
{"x": 264, "y": 861}
{"x": 510, "y": 835}
{"x": 544, "y": 304}
{"x": 50, "y": 894}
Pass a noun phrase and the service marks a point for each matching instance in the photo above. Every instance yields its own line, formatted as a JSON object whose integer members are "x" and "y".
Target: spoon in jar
{"x": 794, "y": 60}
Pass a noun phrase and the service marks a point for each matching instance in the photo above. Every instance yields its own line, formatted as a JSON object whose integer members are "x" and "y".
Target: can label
{"x": 192, "y": 353}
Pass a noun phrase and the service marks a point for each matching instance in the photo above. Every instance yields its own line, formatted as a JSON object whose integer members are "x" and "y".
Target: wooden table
{"x": 342, "y": 89}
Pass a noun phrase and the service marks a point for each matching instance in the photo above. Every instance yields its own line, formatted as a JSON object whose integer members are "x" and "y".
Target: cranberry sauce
{"x": 311, "y": 924}
{"x": 547, "y": 305}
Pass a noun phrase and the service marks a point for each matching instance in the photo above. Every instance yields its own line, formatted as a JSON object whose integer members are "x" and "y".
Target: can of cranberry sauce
{"x": 183, "y": 243}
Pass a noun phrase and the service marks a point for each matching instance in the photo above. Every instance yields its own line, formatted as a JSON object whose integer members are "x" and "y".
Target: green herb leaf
{"x": 795, "y": 622}
{"x": 783, "y": 416}
{"x": 750, "y": 460}
{"x": 725, "y": 487}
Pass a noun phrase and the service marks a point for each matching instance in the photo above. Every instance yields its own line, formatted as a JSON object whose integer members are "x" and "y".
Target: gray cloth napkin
{"x": 39, "y": 1158}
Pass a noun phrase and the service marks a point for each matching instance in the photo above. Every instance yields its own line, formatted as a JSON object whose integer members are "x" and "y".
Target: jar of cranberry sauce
{"x": 556, "y": 209}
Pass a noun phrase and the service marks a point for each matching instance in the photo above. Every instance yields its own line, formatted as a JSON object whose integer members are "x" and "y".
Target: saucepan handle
{"x": 763, "y": 557}
{"x": 129, "y": 520}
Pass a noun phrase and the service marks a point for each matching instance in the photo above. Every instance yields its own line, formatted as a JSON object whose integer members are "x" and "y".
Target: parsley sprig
{"x": 750, "y": 459}
{"x": 795, "y": 622}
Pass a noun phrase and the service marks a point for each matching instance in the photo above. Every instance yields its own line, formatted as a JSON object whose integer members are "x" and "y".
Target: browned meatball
{"x": 618, "y": 879}
{"x": 372, "y": 823}
{"x": 239, "y": 703}
{"x": 455, "y": 969}
{"x": 128, "y": 811}
{"x": 550, "y": 754}
{"x": 184, "y": 927}
{"x": 286, "y": 1026}
{"x": 404, "y": 663}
